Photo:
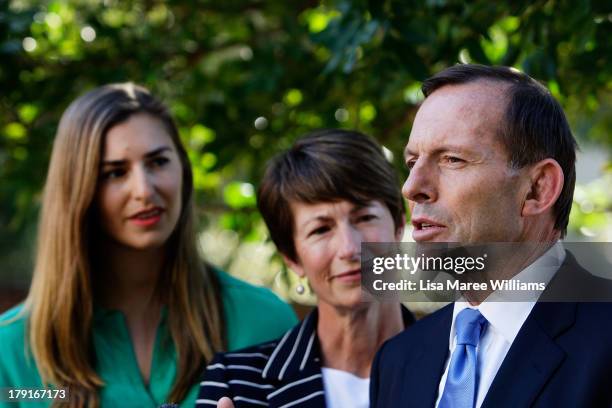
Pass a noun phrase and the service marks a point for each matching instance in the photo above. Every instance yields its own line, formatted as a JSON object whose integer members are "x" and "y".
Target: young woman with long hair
{"x": 122, "y": 310}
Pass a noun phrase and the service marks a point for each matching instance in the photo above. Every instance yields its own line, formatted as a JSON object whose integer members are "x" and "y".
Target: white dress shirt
{"x": 505, "y": 319}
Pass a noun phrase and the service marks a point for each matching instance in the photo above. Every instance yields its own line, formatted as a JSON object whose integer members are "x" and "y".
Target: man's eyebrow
{"x": 452, "y": 148}
{"x": 440, "y": 149}
{"x": 408, "y": 152}
{"x": 150, "y": 154}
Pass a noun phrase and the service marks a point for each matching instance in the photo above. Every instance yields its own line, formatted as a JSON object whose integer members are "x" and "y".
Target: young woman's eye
{"x": 112, "y": 174}
{"x": 160, "y": 161}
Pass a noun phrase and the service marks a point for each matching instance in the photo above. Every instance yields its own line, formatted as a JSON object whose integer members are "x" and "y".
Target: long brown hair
{"x": 59, "y": 307}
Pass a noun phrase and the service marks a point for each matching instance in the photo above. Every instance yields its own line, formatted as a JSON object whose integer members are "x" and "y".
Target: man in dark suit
{"x": 492, "y": 159}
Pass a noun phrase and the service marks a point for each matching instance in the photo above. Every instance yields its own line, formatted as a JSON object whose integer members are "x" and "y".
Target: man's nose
{"x": 420, "y": 185}
{"x": 143, "y": 184}
{"x": 349, "y": 246}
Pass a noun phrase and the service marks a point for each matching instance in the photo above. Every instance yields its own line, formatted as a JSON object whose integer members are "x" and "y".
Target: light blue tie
{"x": 462, "y": 380}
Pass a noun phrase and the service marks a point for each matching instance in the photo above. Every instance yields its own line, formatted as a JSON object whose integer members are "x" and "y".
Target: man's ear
{"x": 294, "y": 266}
{"x": 546, "y": 178}
{"x": 399, "y": 231}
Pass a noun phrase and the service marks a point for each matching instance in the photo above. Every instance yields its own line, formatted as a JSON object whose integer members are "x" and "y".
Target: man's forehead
{"x": 479, "y": 96}
{"x": 460, "y": 115}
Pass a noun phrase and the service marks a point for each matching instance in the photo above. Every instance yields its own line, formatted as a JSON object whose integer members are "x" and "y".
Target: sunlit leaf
{"x": 28, "y": 112}
{"x": 293, "y": 97}
{"x": 367, "y": 112}
{"x": 15, "y": 131}
{"x": 239, "y": 195}
{"x": 200, "y": 135}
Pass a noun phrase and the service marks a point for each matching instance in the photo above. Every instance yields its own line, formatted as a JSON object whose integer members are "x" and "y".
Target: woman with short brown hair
{"x": 331, "y": 191}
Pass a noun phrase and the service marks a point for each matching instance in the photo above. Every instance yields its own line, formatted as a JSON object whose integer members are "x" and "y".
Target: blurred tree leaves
{"x": 245, "y": 78}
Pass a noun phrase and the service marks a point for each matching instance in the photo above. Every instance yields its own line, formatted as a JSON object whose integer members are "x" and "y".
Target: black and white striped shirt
{"x": 280, "y": 374}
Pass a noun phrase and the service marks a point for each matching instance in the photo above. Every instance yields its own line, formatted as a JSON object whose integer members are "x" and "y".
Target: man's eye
{"x": 410, "y": 164}
{"x": 453, "y": 159}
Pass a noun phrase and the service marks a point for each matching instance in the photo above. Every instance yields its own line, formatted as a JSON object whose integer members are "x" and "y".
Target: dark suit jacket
{"x": 561, "y": 357}
{"x": 284, "y": 372}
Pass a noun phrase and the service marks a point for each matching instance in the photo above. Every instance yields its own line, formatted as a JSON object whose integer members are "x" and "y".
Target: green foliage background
{"x": 245, "y": 78}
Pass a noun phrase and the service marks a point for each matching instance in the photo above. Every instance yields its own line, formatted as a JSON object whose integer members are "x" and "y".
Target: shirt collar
{"x": 102, "y": 314}
{"x": 507, "y": 317}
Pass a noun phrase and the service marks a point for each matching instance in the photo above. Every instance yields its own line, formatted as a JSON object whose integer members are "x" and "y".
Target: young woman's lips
{"x": 147, "y": 218}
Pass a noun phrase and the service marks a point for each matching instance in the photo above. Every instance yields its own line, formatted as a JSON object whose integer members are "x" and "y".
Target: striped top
{"x": 281, "y": 374}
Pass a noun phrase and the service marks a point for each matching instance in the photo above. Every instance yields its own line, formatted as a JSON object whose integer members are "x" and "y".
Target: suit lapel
{"x": 533, "y": 357}
{"x": 422, "y": 374}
